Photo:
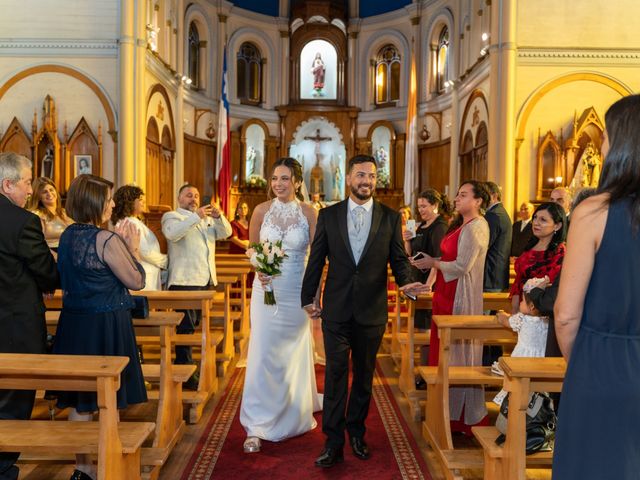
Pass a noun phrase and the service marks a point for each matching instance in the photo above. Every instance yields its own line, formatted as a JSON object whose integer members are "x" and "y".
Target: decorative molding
{"x": 44, "y": 47}
{"x": 246, "y": 112}
{"x": 577, "y": 55}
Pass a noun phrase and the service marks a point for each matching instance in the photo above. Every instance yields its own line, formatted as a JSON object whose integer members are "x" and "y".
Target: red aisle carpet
{"x": 219, "y": 455}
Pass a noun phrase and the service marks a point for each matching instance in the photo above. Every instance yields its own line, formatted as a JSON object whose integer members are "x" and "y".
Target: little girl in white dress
{"x": 530, "y": 326}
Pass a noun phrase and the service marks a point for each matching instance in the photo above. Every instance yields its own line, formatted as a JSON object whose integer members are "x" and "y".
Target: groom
{"x": 358, "y": 236}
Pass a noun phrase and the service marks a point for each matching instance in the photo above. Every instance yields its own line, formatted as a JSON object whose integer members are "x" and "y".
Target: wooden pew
{"x": 523, "y": 376}
{"x": 242, "y": 268}
{"x": 117, "y": 444}
{"x": 158, "y": 329}
{"x": 410, "y": 339}
{"x": 205, "y": 339}
{"x": 437, "y": 428}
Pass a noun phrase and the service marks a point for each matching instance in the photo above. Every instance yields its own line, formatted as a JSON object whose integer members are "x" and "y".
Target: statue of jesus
{"x": 318, "y": 70}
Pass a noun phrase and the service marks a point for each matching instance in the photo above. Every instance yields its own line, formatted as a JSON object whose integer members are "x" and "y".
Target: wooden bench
{"x": 523, "y": 376}
{"x": 409, "y": 340}
{"x": 159, "y": 330}
{"x": 437, "y": 428}
{"x": 243, "y": 268}
{"x": 116, "y": 444}
{"x": 205, "y": 338}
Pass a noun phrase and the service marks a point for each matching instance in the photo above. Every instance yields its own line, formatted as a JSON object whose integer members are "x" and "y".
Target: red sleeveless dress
{"x": 443, "y": 296}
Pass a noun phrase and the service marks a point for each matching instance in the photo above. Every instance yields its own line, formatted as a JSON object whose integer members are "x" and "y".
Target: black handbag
{"x": 141, "y": 307}
{"x": 541, "y": 423}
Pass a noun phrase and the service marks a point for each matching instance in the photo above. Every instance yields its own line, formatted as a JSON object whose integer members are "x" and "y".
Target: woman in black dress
{"x": 597, "y": 316}
{"x": 434, "y": 211}
{"x": 97, "y": 269}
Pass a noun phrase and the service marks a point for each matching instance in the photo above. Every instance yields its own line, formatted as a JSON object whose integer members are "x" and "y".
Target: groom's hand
{"x": 415, "y": 288}
{"x": 313, "y": 310}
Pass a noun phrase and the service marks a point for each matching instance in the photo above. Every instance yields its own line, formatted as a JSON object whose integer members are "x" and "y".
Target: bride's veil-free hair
{"x": 296, "y": 175}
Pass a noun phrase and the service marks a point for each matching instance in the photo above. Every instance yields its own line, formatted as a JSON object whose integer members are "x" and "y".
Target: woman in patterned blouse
{"x": 544, "y": 254}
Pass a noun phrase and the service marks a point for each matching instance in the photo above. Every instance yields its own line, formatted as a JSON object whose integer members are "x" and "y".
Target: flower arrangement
{"x": 267, "y": 258}
{"x": 257, "y": 181}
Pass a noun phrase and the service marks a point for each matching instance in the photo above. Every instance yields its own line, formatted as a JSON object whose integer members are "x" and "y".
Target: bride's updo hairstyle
{"x": 296, "y": 174}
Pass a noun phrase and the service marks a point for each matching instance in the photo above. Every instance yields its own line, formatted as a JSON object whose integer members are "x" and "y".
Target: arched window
{"x": 194, "y": 55}
{"x": 442, "y": 59}
{"x": 387, "y": 75}
{"x": 249, "y": 74}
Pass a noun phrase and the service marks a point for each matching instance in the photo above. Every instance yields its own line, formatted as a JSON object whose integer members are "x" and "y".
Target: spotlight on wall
{"x": 188, "y": 81}
{"x": 483, "y": 52}
{"x": 485, "y": 36}
{"x": 449, "y": 83}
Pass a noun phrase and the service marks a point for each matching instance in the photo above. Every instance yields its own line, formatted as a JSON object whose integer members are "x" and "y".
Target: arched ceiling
{"x": 368, "y": 8}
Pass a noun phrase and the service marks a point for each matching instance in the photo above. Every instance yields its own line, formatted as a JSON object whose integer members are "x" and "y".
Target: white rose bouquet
{"x": 267, "y": 258}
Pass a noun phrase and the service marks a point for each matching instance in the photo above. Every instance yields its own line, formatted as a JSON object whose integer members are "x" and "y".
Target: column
{"x": 501, "y": 151}
{"x": 283, "y": 73}
{"x": 140, "y": 160}
{"x": 178, "y": 161}
{"x": 454, "y": 161}
{"x": 353, "y": 80}
{"x": 125, "y": 171}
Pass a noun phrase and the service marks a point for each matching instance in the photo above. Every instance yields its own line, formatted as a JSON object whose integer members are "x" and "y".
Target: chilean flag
{"x": 223, "y": 152}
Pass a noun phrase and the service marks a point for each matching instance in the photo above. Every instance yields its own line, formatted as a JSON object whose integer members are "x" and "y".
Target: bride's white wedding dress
{"x": 280, "y": 392}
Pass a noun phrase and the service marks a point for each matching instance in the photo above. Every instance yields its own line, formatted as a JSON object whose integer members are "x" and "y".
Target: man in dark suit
{"x": 522, "y": 232}
{"x": 496, "y": 267}
{"x": 27, "y": 269}
{"x": 359, "y": 236}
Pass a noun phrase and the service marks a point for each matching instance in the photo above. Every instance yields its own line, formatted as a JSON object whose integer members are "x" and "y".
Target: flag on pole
{"x": 223, "y": 152}
{"x": 411, "y": 150}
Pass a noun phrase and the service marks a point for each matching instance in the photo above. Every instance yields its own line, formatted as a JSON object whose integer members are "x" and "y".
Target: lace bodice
{"x": 286, "y": 222}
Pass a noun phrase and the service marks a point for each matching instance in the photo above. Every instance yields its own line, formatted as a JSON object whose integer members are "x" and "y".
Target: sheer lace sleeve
{"x": 114, "y": 252}
{"x": 516, "y": 321}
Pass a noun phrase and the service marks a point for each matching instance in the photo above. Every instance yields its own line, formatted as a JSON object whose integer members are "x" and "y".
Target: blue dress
{"x": 96, "y": 315}
{"x": 598, "y": 433}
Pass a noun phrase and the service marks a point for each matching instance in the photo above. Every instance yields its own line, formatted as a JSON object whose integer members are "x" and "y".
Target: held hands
{"x": 130, "y": 234}
{"x": 313, "y": 310}
{"x": 407, "y": 235}
{"x": 415, "y": 288}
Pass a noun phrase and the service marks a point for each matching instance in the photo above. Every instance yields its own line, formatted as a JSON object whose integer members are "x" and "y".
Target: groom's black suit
{"x": 354, "y": 309}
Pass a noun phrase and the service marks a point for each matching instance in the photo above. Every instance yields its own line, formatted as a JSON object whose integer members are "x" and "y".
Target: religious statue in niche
{"x": 318, "y": 70}
{"x": 587, "y": 172}
{"x": 382, "y": 159}
{"x": 47, "y": 163}
{"x": 251, "y": 161}
{"x": 337, "y": 180}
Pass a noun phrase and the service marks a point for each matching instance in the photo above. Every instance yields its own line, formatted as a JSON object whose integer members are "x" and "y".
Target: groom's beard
{"x": 362, "y": 196}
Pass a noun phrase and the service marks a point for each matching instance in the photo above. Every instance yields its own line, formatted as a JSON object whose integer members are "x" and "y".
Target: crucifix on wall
{"x": 316, "y": 179}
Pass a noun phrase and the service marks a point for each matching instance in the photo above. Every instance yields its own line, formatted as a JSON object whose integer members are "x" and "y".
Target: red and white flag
{"x": 223, "y": 150}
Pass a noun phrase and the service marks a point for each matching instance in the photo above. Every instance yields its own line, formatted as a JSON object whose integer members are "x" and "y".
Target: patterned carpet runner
{"x": 219, "y": 454}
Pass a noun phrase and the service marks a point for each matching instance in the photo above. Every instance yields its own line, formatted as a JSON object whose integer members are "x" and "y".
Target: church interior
{"x": 437, "y": 91}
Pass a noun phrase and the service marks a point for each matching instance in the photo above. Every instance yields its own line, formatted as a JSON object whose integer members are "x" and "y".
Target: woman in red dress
{"x": 240, "y": 229}
{"x": 458, "y": 291}
{"x": 544, "y": 254}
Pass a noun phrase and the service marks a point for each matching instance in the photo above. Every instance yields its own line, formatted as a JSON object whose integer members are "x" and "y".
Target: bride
{"x": 280, "y": 392}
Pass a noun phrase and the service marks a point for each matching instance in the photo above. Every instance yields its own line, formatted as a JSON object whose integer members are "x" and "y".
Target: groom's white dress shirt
{"x": 192, "y": 246}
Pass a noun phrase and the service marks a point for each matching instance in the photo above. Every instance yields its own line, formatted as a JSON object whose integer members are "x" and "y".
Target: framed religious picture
{"x": 82, "y": 164}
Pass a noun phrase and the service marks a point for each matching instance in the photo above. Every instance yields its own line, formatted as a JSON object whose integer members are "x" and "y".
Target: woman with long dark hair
{"x": 458, "y": 291}
{"x": 597, "y": 315}
{"x": 280, "y": 392}
{"x": 45, "y": 202}
{"x": 544, "y": 253}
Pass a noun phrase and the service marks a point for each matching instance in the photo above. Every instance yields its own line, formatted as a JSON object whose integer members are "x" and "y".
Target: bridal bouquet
{"x": 267, "y": 258}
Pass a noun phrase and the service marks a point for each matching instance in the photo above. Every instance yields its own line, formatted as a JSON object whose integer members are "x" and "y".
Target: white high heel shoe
{"x": 252, "y": 445}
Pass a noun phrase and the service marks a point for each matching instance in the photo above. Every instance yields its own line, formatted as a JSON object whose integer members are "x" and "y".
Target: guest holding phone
{"x": 458, "y": 291}
{"x": 433, "y": 207}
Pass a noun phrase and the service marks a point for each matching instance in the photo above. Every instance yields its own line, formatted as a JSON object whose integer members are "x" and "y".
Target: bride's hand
{"x": 264, "y": 278}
